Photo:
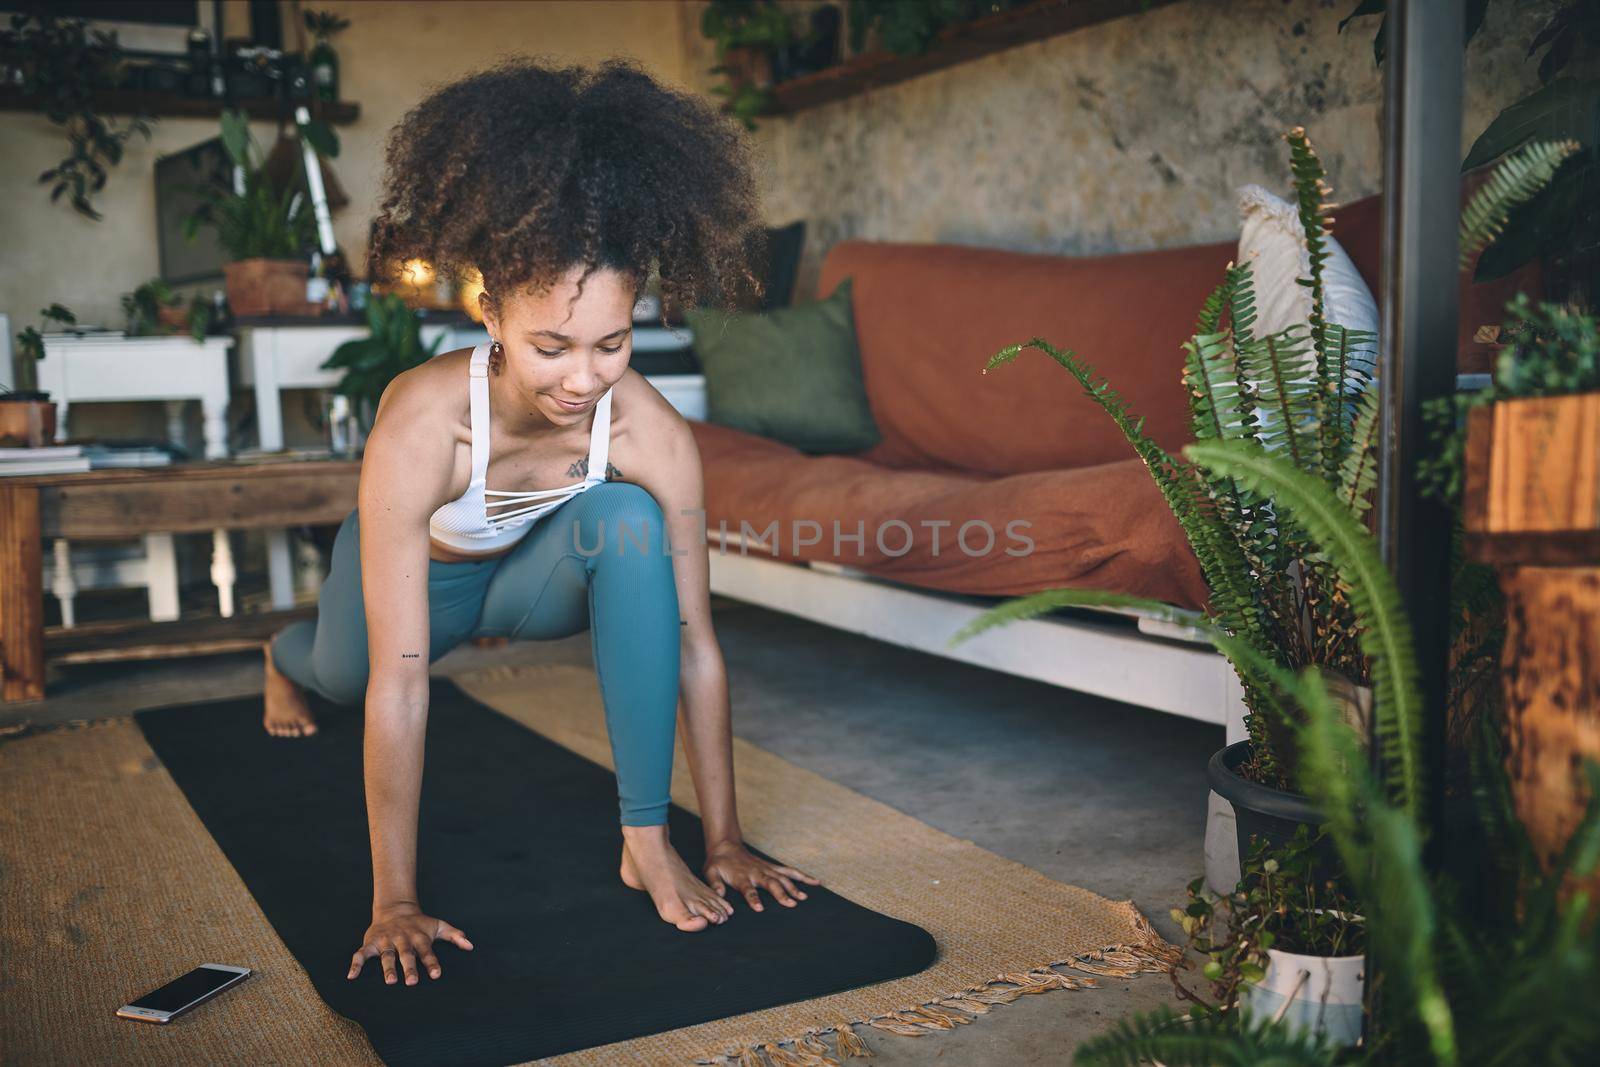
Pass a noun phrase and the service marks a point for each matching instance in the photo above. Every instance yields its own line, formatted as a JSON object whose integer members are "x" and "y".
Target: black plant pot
{"x": 1261, "y": 811}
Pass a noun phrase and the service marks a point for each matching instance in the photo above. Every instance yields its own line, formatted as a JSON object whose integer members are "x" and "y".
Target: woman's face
{"x": 558, "y": 349}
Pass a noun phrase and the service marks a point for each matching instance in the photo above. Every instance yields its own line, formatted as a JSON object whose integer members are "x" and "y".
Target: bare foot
{"x": 287, "y": 712}
{"x": 651, "y": 864}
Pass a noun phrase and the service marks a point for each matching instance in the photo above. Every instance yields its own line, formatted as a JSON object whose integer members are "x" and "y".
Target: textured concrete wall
{"x": 1127, "y": 135}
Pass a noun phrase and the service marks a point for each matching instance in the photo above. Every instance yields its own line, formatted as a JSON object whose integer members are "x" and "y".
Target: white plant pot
{"x": 1319, "y": 993}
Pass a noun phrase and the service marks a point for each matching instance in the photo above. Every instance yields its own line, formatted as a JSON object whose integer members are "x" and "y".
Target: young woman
{"x": 524, "y": 488}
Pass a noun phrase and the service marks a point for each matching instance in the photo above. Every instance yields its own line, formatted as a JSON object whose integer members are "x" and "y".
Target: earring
{"x": 497, "y": 355}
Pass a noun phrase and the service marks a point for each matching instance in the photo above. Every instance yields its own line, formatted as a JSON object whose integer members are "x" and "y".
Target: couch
{"x": 1020, "y": 442}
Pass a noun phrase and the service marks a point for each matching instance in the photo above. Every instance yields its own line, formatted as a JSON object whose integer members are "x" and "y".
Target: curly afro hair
{"x": 526, "y": 170}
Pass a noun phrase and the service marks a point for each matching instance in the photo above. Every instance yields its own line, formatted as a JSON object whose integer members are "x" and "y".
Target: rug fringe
{"x": 29, "y": 728}
{"x": 1150, "y": 954}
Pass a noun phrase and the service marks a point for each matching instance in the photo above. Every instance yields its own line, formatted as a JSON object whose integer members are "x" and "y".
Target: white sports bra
{"x": 465, "y": 523}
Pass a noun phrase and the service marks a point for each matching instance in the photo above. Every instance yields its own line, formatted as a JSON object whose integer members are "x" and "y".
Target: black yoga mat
{"x": 518, "y": 846}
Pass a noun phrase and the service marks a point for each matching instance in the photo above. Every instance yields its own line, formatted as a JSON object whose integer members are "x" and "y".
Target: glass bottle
{"x": 325, "y": 70}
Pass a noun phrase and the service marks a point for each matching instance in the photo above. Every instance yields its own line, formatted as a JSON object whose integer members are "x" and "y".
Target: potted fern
{"x": 1304, "y": 393}
{"x": 263, "y": 231}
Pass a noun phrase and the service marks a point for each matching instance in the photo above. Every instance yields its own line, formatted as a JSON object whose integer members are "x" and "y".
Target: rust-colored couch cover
{"x": 1021, "y": 442}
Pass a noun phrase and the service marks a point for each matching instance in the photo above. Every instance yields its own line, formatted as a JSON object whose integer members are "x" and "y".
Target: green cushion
{"x": 792, "y": 374}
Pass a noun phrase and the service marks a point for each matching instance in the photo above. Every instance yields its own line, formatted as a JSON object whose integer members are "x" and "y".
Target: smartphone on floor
{"x": 184, "y": 992}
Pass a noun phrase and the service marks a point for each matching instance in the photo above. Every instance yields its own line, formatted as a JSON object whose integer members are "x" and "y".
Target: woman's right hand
{"x": 403, "y": 932}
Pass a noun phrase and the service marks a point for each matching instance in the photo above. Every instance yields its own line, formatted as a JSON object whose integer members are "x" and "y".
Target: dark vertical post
{"x": 1421, "y": 213}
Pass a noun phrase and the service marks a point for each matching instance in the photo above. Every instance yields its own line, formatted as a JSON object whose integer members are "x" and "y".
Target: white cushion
{"x": 1272, "y": 242}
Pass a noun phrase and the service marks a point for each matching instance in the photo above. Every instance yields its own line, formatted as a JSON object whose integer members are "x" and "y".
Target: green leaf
{"x": 321, "y": 137}
{"x": 236, "y": 137}
{"x": 1517, "y": 178}
{"x": 1543, "y": 224}
{"x": 1565, "y": 110}
{"x": 1042, "y": 603}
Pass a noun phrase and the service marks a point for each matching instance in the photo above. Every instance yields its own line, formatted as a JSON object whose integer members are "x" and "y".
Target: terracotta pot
{"x": 267, "y": 287}
{"x": 174, "y": 317}
{"x": 27, "y": 423}
{"x": 1532, "y": 509}
{"x": 748, "y": 65}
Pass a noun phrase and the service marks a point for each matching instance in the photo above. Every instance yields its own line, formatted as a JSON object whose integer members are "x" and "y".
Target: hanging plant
{"x": 747, "y": 34}
{"x": 59, "y": 63}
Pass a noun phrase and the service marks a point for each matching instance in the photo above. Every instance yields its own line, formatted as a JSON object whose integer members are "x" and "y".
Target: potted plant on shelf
{"x": 747, "y": 34}
{"x": 1467, "y": 976}
{"x": 27, "y": 414}
{"x": 911, "y": 29}
{"x": 153, "y": 308}
{"x": 263, "y": 231}
{"x": 1305, "y": 393}
{"x": 370, "y": 363}
{"x": 1521, "y": 458}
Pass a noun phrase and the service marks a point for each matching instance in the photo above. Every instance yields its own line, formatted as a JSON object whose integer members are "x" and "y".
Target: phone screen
{"x": 185, "y": 989}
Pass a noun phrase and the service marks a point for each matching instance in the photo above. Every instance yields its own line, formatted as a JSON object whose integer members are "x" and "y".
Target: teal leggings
{"x": 597, "y": 560}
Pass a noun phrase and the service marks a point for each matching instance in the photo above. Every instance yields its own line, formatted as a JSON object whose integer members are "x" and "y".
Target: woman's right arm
{"x": 405, "y": 473}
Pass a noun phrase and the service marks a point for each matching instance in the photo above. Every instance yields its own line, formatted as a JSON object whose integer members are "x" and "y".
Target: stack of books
{"x": 64, "y": 459}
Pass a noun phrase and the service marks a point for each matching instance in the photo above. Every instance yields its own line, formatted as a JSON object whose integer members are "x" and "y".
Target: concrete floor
{"x": 1087, "y": 791}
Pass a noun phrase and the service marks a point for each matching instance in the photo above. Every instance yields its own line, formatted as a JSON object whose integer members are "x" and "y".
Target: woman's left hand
{"x": 734, "y": 865}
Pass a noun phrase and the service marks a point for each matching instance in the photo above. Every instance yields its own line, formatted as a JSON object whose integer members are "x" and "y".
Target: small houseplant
{"x": 153, "y": 308}
{"x": 1286, "y": 940}
{"x": 747, "y": 34}
{"x": 911, "y": 29}
{"x": 370, "y": 363}
{"x": 27, "y": 414}
{"x": 263, "y": 231}
{"x": 61, "y": 63}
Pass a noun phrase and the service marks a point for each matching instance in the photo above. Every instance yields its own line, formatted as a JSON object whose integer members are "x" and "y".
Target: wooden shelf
{"x": 129, "y": 102}
{"x": 956, "y": 44}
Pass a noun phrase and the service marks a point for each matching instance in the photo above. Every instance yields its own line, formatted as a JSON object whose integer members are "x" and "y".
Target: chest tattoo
{"x": 580, "y": 469}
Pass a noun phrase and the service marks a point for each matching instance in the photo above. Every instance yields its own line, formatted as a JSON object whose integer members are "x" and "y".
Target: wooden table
{"x": 121, "y": 503}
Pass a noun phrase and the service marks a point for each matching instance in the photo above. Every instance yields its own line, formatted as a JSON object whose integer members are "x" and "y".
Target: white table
{"x": 100, "y": 368}
{"x": 274, "y": 358}
{"x": 103, "y": 368}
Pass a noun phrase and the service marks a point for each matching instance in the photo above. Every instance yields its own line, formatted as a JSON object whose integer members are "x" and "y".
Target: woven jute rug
{"x": 106, "y": 872}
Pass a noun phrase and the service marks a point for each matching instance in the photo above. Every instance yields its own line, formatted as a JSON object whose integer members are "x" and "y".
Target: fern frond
{"x": 1227, "y": 570}
{"x": 1042, "y": 603}
{"x": 1282, "y": 367}
{"x": 1381, "y": 847}
{"x": 1358, "y": 474}
{"x": 1311, "y": 199}
{"x": 1163, "y": 1036}
{"x": 1516, "y": 179}
{"x": 1241, "y": 301}
{"x": 1383, "y": 629}
{"x": 1210, "y": 320}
